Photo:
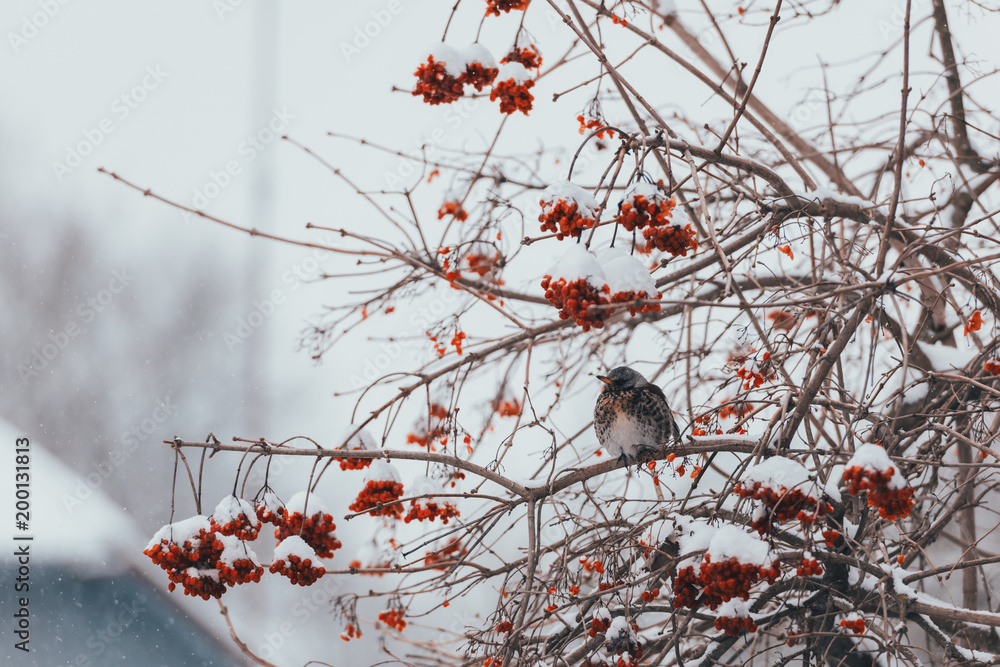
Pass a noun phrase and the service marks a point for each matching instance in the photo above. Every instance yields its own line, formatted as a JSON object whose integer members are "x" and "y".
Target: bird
{"x": 632, "y": 415}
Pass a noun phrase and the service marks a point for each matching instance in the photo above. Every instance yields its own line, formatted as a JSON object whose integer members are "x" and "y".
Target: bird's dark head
{"x": 622, "y": 377}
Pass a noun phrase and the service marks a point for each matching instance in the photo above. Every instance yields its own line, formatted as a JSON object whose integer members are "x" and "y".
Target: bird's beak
{"x": 604, "y": 379}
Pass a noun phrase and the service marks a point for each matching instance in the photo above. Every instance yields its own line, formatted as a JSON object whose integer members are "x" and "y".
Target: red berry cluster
{"x": 267, "y": 509}
{"x": 992, "y": 367}
{"x": 316, "y": 530}
{"x": 453, "y": 208}
{"x": 237, "y": 517}
{"x": 564, "y": 218}
{"x": 649, "y": 596}
{"x": 630, "y": 297}
{"x": 671, "y": 238}
{"x": 438, "y": 417}
{"x": 735, "y": 626}
{"x": 374, "y": 496}
{"x": 526, "y": 55}
{"x": 598, "y": 625}
{"x": 731, "y": 579}
{"x": 892, "y": 503}
{"x": 975, "y": 322}
{"x": 574, "y": 300}
{"x": 830, "y": 536}
{"x": 511, "y": 408}
{"x": 640, "y": 209}
{"x": 752, "y": 378}
{"x": 393, "y": 618}
{"x": 685, "y": 587}
{"x": 494, "y": 7}
{"x": 241, "y": 569}
{"x": 481, "y": 263}
{"x": 513, "y": 95}
{"x": 192, "y": 564}
{"x": 591, "y": 123}
{"x": 351, "y": 632}
{"x": 429, "y": 510}
{"x": 298, "y": 570}
{"x": 857, "y": 625}
{"x": 810, "y": 567}
{"x": 435, "y": 84}
{"x": 352, "y": 463}
{"x": 478, "y": 75}
{"x": 453, "y": 549}
{"x": 505, "y": 626}
{"x": 782, "y": 505}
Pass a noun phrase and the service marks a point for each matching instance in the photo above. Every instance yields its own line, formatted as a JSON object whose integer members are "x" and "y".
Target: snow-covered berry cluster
{"x": 734, "y": 618}
{"x": 360, "y": 442}
{"x": 871, "y": 470}
{"x": 295, "y": 559}
{"x": 527, "y": 55}
{"x": 630, "y": 283}
{"x": 733, "y": 562}
{"x": 494, "y": 7}
{"x": 393, "y": 618}
{"x": 600, "y": 622}
{"x": 992, "y": 367}
{"x": 785, "y": 491}
{"x": 238, "y": 564}
{"x": 316, "y": 529}
{"x": 446, "y": 72}
{"x": 622, "y": 644}
{"x": 267, "y": 508}
{"x": 511, "y": 87}
{"x": 437, "y": 419}
{"x": 644, "y": 205}
{"x": 383, "y": 485}
{"x": 505, "y": 627}
{"x": 235, "y": 516}
{"x": 567, "y": 210}
{"x": 189, "y": 551}
{"x": 574, "y": 298}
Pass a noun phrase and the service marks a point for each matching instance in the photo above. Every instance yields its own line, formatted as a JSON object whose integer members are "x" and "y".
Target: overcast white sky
{"x": 168, "y": 94}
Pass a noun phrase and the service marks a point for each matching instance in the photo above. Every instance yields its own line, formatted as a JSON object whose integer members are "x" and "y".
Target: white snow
{"x": 945, "y": 358}
{"x": 182, "y": 531}
{"x": 516, "y": 71}
{"x": 362, "y": 440}
{"x": 421, "y": 486}
{"x": 271, "y": 502}
{"x": 693, "y": 535}
{"x": 778, "y": 472}
{"x": 730, "y": 541}
{"x": 452, "y": 59}
{"x": 577, "y": 263}
{"x": 297, "y": 503}
{"x": 477, "y": 53}
{"x": 874, "y": 458}
{"x": 602, "y": 614}
{"x": 735, "y": 608}
{"x": 572, "y": 193}
{"x": 235, "y": 549}
{"x": 230, "y": 508}
{"x": 383, "y": 471}
{"x": 628, "y": 273}
{"x": 826, "y": 193}
{"x": 295, "y": 546}
{"x": 647, "y": 190}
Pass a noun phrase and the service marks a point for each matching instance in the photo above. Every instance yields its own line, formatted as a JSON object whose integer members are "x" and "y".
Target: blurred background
{"x": 127, "y": 322}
